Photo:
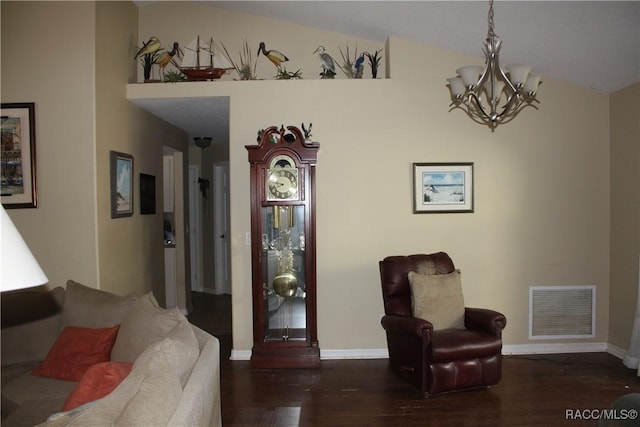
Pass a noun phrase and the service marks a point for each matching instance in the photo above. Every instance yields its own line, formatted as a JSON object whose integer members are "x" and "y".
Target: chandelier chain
{"x": 491, "y": 33}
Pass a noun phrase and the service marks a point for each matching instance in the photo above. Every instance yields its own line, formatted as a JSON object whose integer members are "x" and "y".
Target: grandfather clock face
{"x": 282, "y": 181}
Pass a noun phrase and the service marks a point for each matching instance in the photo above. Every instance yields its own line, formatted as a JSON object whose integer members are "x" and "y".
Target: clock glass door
{"x": 284, "y": 284}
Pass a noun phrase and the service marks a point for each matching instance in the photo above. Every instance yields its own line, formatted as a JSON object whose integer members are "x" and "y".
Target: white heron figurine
{"x": 326, "y": 63}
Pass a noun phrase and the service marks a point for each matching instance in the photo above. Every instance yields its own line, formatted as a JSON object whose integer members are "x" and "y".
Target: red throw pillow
{"x": 99, "y": 380}
{"x": 75, "y": 350}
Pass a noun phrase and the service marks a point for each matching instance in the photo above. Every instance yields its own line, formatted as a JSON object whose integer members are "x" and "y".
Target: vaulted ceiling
{"x": 594, "y": 44}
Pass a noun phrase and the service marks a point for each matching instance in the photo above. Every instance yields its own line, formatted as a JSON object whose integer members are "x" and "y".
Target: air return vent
{"x": 561, "y": 312}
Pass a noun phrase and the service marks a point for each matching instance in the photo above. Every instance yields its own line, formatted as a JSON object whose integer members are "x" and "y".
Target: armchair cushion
{"x": 438, "y": 299}
{"x": 484, "y": 320}
{"x": 462, "y": 344}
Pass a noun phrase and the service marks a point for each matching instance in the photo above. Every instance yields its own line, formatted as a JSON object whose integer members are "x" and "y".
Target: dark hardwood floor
{"x": 540, "y": 390}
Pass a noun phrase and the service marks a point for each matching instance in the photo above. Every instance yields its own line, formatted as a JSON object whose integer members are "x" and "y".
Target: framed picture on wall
{"x": 18, "y": 155}
{"x": 147, "y": 194}
{"x": 121, "y": 184}
{"x": 442, "y": 187}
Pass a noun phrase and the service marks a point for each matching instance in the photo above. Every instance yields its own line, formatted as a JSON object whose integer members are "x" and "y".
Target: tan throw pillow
{"x": 179, "y": 350}
{"x": 87, "y": 307}
{"x": 438, "y": 299}
{"x": 148, "y": 324}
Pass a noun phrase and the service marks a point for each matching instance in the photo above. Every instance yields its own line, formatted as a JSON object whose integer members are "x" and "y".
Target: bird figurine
{"x": 326, "y": 63}
{"x": 359, "y": 67}
{"x": 150, "y": 47}
{"x": 307, "y": 132}
{"x": 275, "y": 56}
{"x": 165, "y": 57}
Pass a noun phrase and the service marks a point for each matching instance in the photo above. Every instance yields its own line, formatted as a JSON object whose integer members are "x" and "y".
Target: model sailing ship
{"x": 201, "y": 62}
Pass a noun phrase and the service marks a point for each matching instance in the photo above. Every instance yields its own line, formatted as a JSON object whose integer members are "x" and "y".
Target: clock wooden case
{"x": 283, "y": 249}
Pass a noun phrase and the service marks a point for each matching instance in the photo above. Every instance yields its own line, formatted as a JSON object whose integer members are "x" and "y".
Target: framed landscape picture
{"x": 18, "y": 155}
{"x": 442, "y": 187}
{"x": 121, "y": 184}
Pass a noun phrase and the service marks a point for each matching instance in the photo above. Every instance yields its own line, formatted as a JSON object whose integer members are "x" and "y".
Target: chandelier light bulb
{"x": 494, "y": 92}
{"x": 470, "y": 75}
{"x": 519, "y": 74}
{"x": 457, "y": 86}
{"x": 531, "y": 86}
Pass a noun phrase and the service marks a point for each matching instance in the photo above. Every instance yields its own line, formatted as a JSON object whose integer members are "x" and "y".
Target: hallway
{"x": 212, "y": 313}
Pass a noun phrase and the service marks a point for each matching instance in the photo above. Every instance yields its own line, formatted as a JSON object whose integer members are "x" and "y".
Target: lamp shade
{"x": 457, "y": 86}
{"x": 496, "y": 92}
{"x": 531, "y": 86}
{"x": 470, "y": 74}
{"x": 519, "y": 73}
{"x": 19, "y": 268}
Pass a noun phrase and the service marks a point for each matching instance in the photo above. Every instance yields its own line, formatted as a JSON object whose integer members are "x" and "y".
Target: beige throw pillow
{"x": 438, "y": 299}
{"x": 93, "y": 308}
{"x": 144, "y": 325}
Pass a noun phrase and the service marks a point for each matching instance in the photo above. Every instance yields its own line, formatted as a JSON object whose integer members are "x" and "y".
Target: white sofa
{"x": 174, "y": 377}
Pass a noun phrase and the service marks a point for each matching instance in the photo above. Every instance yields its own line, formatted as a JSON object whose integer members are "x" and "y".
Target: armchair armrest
{"x": 481, "y": 319}
{"x": 403, "y": 325}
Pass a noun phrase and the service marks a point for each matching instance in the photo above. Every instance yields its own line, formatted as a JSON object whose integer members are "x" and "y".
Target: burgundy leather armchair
{"x": 437, "y": 361}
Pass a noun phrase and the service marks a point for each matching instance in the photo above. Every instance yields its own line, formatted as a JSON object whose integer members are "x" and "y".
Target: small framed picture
{"x": 18, "y": 170}
{"x": 147, "y": 194}
{"x": 442, "y": 187}
{"x": 121, "y": 184}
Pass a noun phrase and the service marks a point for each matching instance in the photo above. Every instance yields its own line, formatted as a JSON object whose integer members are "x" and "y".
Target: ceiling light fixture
{"x": 492, "y": 96}
{"x": 202, "y": 141}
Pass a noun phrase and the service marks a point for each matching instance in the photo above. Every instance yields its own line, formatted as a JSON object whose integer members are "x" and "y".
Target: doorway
{"x": 222, "y": 273}
{"x": 212, "y": 304}
{"x": 174, "y": 236}
{"x": 195, "y": 227}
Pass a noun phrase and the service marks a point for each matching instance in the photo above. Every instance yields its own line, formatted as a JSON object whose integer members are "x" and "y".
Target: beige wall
{"x": 78, "y": 81}
{"x": 625, "y": 212}
{"x": 59, "y": 77}
{"x": 542, "y": 182}
{"x": 131, "y": 249}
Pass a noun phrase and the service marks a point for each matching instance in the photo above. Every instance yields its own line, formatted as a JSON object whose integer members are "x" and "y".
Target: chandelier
{"x": 490, "y": 95}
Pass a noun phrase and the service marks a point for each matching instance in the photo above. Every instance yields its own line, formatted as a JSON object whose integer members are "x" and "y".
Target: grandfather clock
{"x": 283, "y": 249}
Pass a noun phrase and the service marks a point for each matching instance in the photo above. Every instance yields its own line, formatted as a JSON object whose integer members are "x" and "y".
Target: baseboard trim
{"x": 365, "y": 353}
{"x": 589, "y": 347}
{"x": 507, "y": 350}
{"x": 631, "y": 362}
{"x": 616, "y": 351}
{"x": 240, "y": 355}
{"x": 211, "y": 292}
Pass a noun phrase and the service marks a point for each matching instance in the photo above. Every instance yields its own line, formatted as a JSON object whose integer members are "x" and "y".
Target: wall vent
{"x": 562, "y": 312}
